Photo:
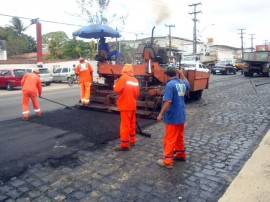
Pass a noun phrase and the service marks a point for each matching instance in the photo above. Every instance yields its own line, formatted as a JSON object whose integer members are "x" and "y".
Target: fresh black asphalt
{"x": 25, "y": 143}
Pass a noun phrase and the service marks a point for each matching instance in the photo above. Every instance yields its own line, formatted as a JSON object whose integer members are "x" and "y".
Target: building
{"x": 185, "y": 47}
{"x": 3, "y": 50}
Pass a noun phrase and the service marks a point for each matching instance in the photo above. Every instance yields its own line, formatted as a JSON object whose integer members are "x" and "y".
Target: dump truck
{"x": 150, "y": 74}
{"x": 205, "y": 59}
{"x": 256, "y": 62}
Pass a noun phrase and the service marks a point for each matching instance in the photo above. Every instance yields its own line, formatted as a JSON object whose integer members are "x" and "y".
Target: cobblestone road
{"x": 222, "y": 131}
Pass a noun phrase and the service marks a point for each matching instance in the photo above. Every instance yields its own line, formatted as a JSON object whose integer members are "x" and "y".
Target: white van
{"x": 44, "y": 74}
{"x": 63, "y": 74}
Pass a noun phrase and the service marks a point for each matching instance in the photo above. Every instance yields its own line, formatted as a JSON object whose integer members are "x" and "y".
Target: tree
{"x": 17, "y": 25}
{"x": 94, "y": 10}
{"x": 17, "y": 44}
{"x": 127, "y": 52}
{"x": 77, "y": 48}
{"x": 59, "y": 36}
{"x": 55, "y": 49}
{"x": 32, "y": 46}
{"x": 54, "y": 42}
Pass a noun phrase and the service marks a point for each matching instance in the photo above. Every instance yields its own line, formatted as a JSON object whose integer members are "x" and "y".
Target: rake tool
{"x": 142, "y": 133}
{"x": 66, "y": 107}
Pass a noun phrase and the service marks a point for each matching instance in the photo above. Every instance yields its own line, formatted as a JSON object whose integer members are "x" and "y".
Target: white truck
{"x": 256, "y": 62}
{"x": 204, "y": 59}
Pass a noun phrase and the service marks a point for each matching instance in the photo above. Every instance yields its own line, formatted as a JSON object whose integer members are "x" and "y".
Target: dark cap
{"x": 102, "y": 39}
{"x": 170, "y": 71}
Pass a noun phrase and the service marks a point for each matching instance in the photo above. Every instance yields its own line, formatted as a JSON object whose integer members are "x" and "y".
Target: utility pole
{"x": 194, "y": 13}
{"x": 170, "y": 42}
{"x": 265, "y": 45}
{"x": 242, "y": 47}
{"x": 136, "y": 34}
{"x": 39, "y": 42}
{"x": 252, "y": 38}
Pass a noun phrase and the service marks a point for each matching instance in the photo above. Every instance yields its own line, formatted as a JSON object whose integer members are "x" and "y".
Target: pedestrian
{"x": 173, "y": 113}
{"x": 31, "y": 88}
{"x": 127, "y": 87}
{"x": 85, "y": 73}
{"x": 104, "y": 51}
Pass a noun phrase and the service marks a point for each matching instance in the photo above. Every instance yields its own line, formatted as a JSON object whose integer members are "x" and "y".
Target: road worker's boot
{"x": 161, "y": 163}
{"x": 25, "y": 118}
{"x": 119, "y": 148}
{"x": 132, "y": 144}
{"x": 179, "y": 158}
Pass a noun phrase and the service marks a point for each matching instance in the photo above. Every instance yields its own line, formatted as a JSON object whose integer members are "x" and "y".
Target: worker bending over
{"x": 31, "y": 88}
{"x": 85, "y": 73}
{"x": 127, "y": 87}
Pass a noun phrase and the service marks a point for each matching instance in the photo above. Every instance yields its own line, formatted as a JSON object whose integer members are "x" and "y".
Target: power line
{"x": 55, "y": 22}
{"x": 41, "y": 20}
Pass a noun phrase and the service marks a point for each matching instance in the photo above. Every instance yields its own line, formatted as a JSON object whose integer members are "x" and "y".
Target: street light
{"x": 136, "y": 34}
{"x": 200, "y": 33}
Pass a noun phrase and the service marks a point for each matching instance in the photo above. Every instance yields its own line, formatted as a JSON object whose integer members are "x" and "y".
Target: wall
{"x": 3, "y": 54}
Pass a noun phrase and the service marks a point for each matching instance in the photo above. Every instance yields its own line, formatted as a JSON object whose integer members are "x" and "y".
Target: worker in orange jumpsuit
{"x": 31, "y": 88}
{"x": 173, "y": 113}
{"x": 85, "y": 73}
{"x": 127, "y": 87}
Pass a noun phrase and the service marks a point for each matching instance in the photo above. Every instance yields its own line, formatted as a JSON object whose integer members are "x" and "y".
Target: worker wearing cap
{"x": 85, "y": 73}
{"x": 173, "y": 113}
{"x": 104, "y": 50}
{"x": 31, "y": 88}
{"x": 127, "y": 87}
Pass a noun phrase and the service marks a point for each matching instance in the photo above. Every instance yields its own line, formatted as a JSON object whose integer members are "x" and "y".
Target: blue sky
{"x": 227, "y": 16}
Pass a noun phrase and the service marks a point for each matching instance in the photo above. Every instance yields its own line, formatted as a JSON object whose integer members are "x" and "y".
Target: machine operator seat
{"x": 102, "y": 56}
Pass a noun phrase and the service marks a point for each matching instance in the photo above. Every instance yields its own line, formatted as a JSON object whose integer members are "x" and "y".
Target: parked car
{"x": 10, "y": 78}
{"x": 223, "y": 69}
{"x": 44, "y": 74}
{"x": 239, "y": 64}
{"x": 63, "y": 74}
{"x": 198, "y": 66}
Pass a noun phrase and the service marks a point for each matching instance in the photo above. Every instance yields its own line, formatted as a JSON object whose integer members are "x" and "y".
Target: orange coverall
{"x": 85, "y": 72}
{"x": 174, "y": 142}
{"x": 31, "y": 88}
{"x": 128, "y": 90}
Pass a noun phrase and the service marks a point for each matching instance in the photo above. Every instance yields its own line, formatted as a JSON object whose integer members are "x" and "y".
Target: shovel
{"x": 142, "y": 133}
{"x": 66, "y": 107}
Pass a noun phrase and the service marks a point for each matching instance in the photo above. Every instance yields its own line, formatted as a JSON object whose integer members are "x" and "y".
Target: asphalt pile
{"x": 96, "y": 127}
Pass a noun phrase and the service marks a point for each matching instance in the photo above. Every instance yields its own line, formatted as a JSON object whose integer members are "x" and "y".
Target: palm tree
{"x": 17, "y": 25}
{"x": 18, "y": 28}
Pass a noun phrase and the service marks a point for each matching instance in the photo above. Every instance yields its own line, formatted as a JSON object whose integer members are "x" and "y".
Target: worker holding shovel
{"x": 31, "y": 88}
{"x": 127, "y": 87}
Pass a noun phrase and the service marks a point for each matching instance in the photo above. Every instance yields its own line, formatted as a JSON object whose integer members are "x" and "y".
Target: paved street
{"x": 223, "y": 130}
